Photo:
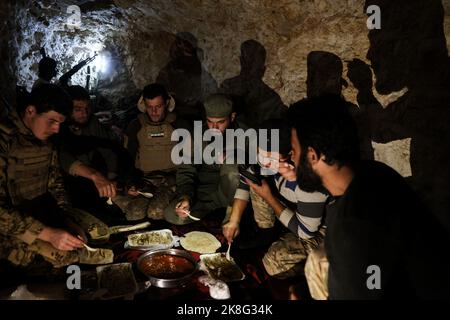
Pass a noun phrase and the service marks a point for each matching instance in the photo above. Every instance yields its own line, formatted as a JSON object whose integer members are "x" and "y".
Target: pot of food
{"x": 167, "y": 268}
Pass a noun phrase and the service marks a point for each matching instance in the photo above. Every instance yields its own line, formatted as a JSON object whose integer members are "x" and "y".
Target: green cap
{"x": 218, "y": 106}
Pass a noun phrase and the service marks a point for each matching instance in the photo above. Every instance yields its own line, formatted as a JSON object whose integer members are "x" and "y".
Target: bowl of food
{"x": 167, "y": 268}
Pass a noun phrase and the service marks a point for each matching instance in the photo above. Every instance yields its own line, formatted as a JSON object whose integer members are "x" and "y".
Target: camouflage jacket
{"x": 28, "y": 168}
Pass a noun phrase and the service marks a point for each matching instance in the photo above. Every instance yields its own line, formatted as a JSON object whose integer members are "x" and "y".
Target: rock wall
{"x": 7, "y": 66}
{"x": 139, "y": 34}
{"x": 143, "y": 41}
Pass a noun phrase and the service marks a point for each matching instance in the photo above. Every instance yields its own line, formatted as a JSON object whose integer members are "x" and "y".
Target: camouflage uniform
{"x": 316, "y": 272}
{"x": 137, "y": 208}
{"x": 29, "y": 170}
{"x": 285, "y": 257}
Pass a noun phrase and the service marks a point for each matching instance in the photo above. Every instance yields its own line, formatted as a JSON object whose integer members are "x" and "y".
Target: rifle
{"x": 42, "y": 51}
{"x": 64, "y": 79}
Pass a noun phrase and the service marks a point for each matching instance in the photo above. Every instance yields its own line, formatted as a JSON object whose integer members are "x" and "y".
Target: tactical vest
{"x": 28, "y": 164}
{"x": 155, "y": 145}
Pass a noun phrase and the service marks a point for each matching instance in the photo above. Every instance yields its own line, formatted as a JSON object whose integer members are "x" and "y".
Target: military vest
{"x": 155, "y": 146}
{"x": 28, "y": 163}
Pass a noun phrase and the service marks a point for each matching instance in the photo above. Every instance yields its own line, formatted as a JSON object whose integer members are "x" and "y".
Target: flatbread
{"x": 201, "y": 242}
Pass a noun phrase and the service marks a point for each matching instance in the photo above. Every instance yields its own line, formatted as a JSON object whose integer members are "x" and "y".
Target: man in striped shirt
{"x": 280, "y": 197}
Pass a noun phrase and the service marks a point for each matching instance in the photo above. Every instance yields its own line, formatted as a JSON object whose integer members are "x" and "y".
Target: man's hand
{"x": 230, "y": 230}
{"x": 75, "y": 230}
{"x": 105, "y": 187}
{"x": 60, "y": 239}
{"x": 132, "y": 191}
{"x": 263, "y": 190}
{"x": 287, "y": 171}
{"x": 182, "y": 206}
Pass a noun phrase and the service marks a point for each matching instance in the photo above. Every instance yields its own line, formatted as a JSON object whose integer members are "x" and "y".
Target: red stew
{"x": 167, "y": 266}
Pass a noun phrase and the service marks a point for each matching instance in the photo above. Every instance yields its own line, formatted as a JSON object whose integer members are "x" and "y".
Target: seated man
{"x": 375, "y": 243}
{"x": 148, "y": 141}
{"x": 279, "y": 197}
{"x": 90, "y": 155}
{"x": 35, "y": 218}
{"x": 204, "y": 188}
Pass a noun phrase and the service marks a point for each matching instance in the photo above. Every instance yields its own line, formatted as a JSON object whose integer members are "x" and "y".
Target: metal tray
{"x": 156, "y": 246}
{"x": 214, "y": 265}
{"x": 117, "y": 280}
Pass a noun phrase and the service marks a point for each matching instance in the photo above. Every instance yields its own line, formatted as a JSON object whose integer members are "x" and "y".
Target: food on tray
{"x": 150, "y": 238}
{"x": 167, "y": 266}
{"x": 201, "y": 242}
{"x": 117, "y": 279}
{"x": 220, "y": 268}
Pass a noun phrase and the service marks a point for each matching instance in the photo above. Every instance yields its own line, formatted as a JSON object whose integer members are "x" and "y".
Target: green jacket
{"x": 198, "y": 181}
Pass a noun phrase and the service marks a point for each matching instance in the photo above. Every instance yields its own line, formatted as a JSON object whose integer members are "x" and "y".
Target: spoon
{"x": 191, "y": 216}
{"x": 228, "y": 252}
{"x": 146, "y": 194}
{"x": 85, "y": 245}
{"x": 89, "y": 248}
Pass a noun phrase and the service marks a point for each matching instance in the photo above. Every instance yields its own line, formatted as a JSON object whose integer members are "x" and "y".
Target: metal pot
{"x": 167, "y": 268}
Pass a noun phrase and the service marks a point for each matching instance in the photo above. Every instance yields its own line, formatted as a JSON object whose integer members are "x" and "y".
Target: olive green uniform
{"x": 28, "y": 171}
{"x": 208, "y": 186}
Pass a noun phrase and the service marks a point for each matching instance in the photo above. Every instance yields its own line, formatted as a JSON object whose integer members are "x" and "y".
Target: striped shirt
{"x": 309, "y": 207}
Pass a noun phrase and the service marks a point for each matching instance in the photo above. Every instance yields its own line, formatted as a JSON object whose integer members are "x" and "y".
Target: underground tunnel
{"x": 386, "y": 63}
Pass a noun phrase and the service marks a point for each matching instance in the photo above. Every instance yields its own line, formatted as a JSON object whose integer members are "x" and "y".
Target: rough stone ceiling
{"x": 137, "y": 36}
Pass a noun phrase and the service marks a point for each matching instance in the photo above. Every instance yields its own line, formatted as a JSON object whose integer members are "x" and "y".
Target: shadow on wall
{"x": 254, "y": 100}
{"x": 409, "y": 51}
{"x": 324, "y": 76}
{"x": 185, "y": 77}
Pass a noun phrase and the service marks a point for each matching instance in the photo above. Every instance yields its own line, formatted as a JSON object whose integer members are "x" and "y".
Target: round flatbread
{"x": 201, "y": 242}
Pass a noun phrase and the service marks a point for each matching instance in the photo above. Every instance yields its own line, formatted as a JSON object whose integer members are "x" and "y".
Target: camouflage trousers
{"x": 137, "y": 208}
{"x": 22, "y": 254}
{"x": 263, "y": 212}
{"x": 285, "y": 257}
{"x": 316, "y": 272}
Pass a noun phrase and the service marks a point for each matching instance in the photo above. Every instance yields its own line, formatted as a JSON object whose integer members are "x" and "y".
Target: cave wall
{"x": 7, "y": 66}
{"x": 140, "y": 35}
{"x": 145, "y": 41}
